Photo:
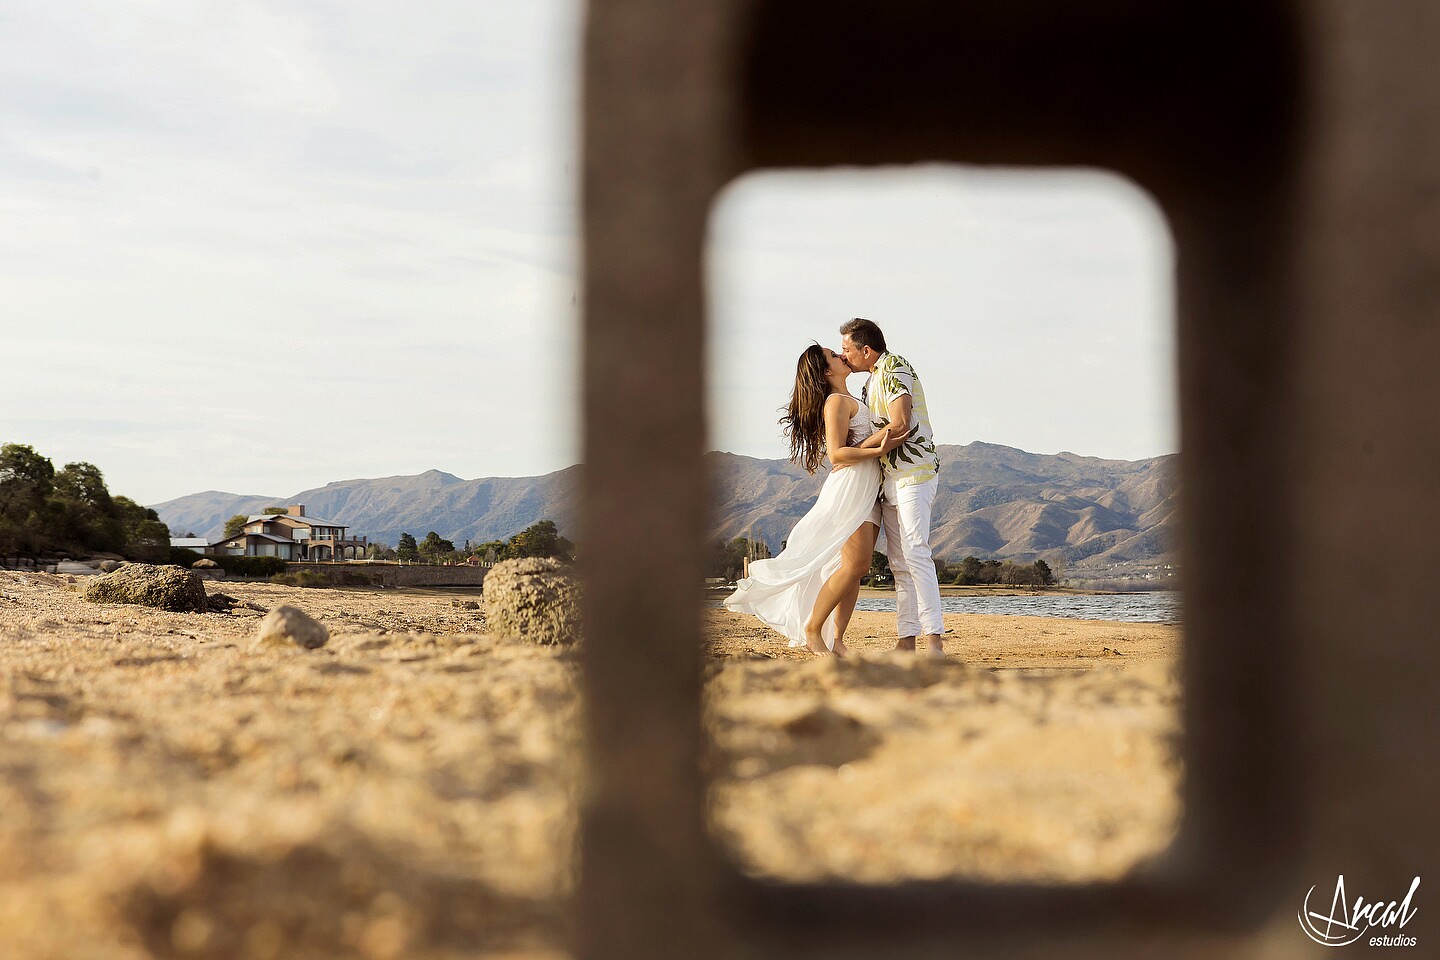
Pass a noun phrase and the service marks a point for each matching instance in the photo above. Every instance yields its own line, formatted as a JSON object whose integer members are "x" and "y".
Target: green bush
{"x": 250, "y": 566}
{"x": 302, "y": 578}
{"x": 183, "y": 558}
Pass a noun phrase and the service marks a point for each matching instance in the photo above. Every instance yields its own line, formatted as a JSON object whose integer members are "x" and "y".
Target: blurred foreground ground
{"x": 409, "y": 790}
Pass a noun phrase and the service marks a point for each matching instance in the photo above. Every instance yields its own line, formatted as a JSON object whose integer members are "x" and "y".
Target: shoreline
{"x": 1001, "y": 590}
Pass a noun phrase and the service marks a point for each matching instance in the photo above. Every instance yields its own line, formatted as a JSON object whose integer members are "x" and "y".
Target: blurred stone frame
{"x": 681, "y": 98}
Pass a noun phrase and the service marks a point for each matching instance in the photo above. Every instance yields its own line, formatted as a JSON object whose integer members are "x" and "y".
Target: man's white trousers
{"x": 905, "y": 516}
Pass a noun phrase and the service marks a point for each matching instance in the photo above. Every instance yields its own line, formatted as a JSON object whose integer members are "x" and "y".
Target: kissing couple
{"x": 883, "y": 474}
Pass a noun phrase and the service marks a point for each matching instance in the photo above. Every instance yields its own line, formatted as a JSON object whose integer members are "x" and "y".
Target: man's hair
{"x": 864, "y": 333}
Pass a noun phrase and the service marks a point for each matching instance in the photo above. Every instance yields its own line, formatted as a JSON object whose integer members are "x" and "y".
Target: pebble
{"x": 288, "y": 626}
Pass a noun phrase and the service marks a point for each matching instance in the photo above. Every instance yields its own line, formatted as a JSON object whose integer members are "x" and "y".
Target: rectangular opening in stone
{"x": 1037, "y": 309}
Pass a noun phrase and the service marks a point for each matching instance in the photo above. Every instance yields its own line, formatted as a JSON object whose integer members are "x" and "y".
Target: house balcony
{"x": 337, "y": 548}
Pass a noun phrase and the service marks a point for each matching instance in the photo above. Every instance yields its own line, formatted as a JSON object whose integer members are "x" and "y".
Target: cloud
{"x": 287, "y": 242}
{"x": 264, "y": 245}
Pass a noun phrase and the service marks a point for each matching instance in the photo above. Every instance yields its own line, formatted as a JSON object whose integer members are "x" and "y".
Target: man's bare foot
{"x": 815, "y": 641}
{"x": 935, "y": 646}
{"x": 905, "y": 644}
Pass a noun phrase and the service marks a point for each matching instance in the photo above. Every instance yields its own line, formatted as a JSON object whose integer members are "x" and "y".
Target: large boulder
{"x": 532, "y": 600}
{"x": 168, "y": 588}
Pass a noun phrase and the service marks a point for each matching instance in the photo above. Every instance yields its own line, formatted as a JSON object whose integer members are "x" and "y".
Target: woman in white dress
{"x": 809, "y": 591}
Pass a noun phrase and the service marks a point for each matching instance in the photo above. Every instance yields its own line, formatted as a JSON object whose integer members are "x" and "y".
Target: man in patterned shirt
{"x": 910, "y": 476}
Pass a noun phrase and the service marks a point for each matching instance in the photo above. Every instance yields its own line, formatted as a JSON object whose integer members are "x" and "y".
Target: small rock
{"x": 70, "y": 568}
{"x": 204, "y": 563}
{"x": 108, "y": 566}
{"x": 533, "y": 600}
{"x": 168, "y": 587}
{"x": 287, "y": 626}
{"x": 220, "y": 602}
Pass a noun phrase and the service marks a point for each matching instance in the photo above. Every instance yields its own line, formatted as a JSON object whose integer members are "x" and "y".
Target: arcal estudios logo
{"x": 1349, "y": 921}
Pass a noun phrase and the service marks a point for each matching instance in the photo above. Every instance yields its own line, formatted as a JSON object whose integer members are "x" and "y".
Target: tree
{"x": 989, "y": 571}
{"x": 406, "y": 548}
{"x": 275, "y": 511}
{"x": 83, "y": 514}
{"x": 1045, "y": 575}
{"x": 880, "y": 571}
{"x": 1035, "y": 574}
{"x": 969, "y": 572}
{"x": 727, "y": 560}
{"x": 26, "y": 477}
{"x": 70, "y": 512}
{"x": 541, "y": 539}
{"x": 83, "y": 483}
{"x": 433, "y": 547}
{"x": 27, "y": 481}
{"x": 494, "y": 549}
{"x": 235, "y": 525}
{"x": 146, "y": 538}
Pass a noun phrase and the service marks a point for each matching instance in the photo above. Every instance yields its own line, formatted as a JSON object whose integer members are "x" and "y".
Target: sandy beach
{"x": 409, "y": 789}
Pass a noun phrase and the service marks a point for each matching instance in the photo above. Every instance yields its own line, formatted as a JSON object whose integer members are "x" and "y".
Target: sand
{"x": 409, "y": 789}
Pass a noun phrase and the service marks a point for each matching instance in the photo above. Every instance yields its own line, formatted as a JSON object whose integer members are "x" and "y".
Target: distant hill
{"x": 993, "y": 502}
{"x": 494, "y": 508}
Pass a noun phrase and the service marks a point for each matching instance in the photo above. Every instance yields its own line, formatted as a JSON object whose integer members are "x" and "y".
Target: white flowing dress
{"x": 782, "y": 591}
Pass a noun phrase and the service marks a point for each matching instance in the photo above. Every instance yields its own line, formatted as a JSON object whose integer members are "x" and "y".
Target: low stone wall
{"x": 393, "y": 575}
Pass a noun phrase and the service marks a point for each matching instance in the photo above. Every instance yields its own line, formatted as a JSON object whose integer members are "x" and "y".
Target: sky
{"x": 260, "y": 246}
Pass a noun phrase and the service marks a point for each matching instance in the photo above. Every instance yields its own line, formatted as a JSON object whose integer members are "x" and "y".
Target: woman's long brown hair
{"x": 804, "y": 420}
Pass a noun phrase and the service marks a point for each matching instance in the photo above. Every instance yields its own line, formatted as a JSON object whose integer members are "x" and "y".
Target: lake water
{"x": 1161, "y": 606}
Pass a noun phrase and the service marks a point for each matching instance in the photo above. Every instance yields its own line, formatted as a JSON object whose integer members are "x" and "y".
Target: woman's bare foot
{"x": 815, "y": 641}
{"x": 840, "y": 648}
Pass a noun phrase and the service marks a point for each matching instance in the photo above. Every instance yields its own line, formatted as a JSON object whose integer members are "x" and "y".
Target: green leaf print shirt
{"x": 914, "y": 461}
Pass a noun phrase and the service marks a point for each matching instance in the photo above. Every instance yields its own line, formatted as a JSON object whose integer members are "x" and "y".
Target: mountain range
{"x": 993, "y": 502}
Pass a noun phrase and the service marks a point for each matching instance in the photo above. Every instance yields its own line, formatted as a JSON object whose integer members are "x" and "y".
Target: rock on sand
{"x": 168, "y": 588}
{"x": 532, "y": 600}
{"x": 288, "y": 626}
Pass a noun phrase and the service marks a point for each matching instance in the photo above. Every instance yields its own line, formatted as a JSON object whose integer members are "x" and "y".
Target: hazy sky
{"x": 257, "y": 247}
{"x": 1037, "y": 307}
